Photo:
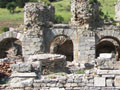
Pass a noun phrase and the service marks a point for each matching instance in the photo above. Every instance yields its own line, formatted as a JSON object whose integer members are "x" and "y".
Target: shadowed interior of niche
{"x": 10, "y": 46}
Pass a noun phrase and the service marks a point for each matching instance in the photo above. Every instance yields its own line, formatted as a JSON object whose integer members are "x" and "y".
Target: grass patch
{"x": 108, "y": 7}
{"x": 5, "y": 14}
{"x": 80, "y": 72}
{"x": 62, "y": 8}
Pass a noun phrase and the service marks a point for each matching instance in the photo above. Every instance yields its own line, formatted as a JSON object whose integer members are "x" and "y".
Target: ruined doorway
{"x": 105, "y": 47}
{"x": 10, "y": 47}
{"x": 62, "y": 45}
{"x": 108, "y": 44}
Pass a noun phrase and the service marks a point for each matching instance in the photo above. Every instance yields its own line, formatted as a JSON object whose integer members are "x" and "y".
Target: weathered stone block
{"x": 108, "y": 72}
{"x": 24, "y": 75}
{"x": 117, "y": 81}
{"x": 17, "y": 85}
{"x": 109, "y": 82}
{"x": 21, "y": 67}
{"x": 57, "y": 89}
{"x": 28, "y": 82}
{"x": 99, "y": 81}
{"x": 108, "y": 76}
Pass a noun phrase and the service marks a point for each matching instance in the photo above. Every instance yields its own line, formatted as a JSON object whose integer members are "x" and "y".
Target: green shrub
{"x": 114, "y": 23}
{"x": 92, "y": 1}
{"x": 5, "y": 29}
{"x": 90, "y": 10}
{"x": 101, "y": 12}
{"x": 33, "y": 0}
{"x": 58, "y": 19}
{"x": 46, "y": 1}
{"x": 80, "y": 72}
{"x": 20, "y": 3}
{"x": 11, "y": 6}
{"x": 3, "y": 3}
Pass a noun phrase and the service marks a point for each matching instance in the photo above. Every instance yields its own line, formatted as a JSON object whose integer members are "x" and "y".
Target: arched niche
{"x": 62, "y": 44}
{"x": 108, "y": 44}
{"x": 10, "y": 47}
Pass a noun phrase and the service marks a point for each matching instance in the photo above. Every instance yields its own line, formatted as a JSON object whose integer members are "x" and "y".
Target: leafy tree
{"x": 11, "y": 7}
{"x": 3, "y": 3}
{"x": 92, "y": 1}
{"x": 21, "y": 3}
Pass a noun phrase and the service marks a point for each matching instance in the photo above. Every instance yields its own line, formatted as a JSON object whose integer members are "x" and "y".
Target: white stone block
{"x": 105, "y": 55}
{"x": 99, "y": 81}
{"x": 109, "y": 82}
{"x": 24, "y": 75}
{"x": 108, "y": 72}
{"x": 108, "y": 76}
{"x": 57, "y": 89}
{"x": 117, "y": 81}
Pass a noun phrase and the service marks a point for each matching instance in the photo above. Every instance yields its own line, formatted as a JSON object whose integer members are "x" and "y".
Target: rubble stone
{"x": 24, "y": 75}
{"x": 117, "y": 81}
{"x": 109, "y": 82}
{"x": 99, "y": 81}
{"x": 22, "y": 67}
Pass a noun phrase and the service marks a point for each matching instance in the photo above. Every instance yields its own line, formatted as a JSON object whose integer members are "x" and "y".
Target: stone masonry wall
{"x": 37, "y": 16}
{"x": 99, "y": 80}
{"x": 86, "y": 46}
{"x": 84, "y": 13}
{"x": 32, "y": 43}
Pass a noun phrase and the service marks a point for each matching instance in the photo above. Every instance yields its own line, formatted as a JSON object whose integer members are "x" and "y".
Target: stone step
{"x": 24, "y": 75}
{"x": 108, "y": 72}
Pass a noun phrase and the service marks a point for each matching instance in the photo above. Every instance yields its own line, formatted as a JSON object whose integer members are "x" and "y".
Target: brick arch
{"x": 52, "y": 33}
{"x": 115, "y": 38}
{"x": 112, "y": 33}
{"x": 111, "y": 37}
{"x": 8, "y": 38}
{"x": 10, "y": 47}
{"x": 69, "y": 32}
{"x": 10, "y": 34}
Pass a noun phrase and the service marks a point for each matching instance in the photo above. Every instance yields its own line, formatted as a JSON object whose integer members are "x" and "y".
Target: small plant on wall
{"x": 92, "y": 1}
{"x": 5, "y": 29}
{"x": 80, "y": 72}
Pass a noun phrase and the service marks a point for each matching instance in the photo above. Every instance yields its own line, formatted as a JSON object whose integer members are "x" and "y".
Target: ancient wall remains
{"x": 85, "y": 14}
{"x": 37, "y": 16}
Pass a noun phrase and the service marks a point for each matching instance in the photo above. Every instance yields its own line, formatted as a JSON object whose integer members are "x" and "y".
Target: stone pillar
{"x": 37, "y": 17}
{"x": 86, "y": 46}
{"x": 38, "y": 13}
{"x": 85, "y": 14}
{"x": 76, "y": 57}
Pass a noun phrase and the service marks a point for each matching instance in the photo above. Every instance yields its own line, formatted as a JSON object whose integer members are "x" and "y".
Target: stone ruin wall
{"x": 24, "y": 78}
{"x": 37, "y": 16}
{"x": 84, "y": 14}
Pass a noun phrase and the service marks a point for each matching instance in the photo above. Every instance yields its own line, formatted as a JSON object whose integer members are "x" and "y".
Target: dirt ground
{"x": 10, "y": 23}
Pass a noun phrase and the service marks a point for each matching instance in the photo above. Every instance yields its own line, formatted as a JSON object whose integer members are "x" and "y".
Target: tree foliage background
{"x": 19, "y": 3}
